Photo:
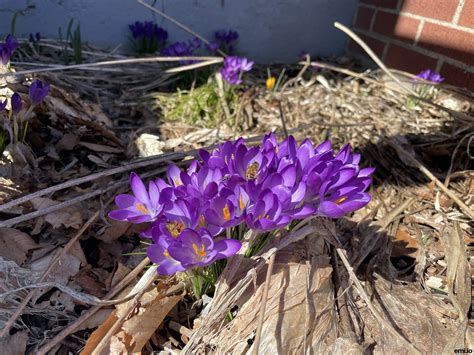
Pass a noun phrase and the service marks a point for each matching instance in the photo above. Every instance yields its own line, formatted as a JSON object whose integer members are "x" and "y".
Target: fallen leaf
{"x": 405, "y": 244}
{"x": 136, "y": 331}
{"x": 67, "y": 142}
{"x": 14, "y": 245}
{"x": 14, "y": 344}
{"x": 69, "y": 217}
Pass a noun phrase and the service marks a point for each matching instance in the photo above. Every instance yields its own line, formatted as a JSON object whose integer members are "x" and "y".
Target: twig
{"x": 193, "y": 66}
{"x": 54, "y": 263}
{"x": 430, "y": 176}
{"x": 110, "y": 62}
{"x": 76, "y": 295}
{"x": 372, "y": 55}
{"x": 43, "y": 211}
{"x": 73, "y": 326}
{"x": 180, "y": 25}
{"x": 140, "y": 164}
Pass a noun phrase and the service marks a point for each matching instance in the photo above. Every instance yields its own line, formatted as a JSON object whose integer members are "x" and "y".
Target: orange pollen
{"x": 175, "y": 228}
{"x": 226, "y": 212}
{"x": 241, "y": 202}
{"x": 141, "y": 208}
{"x": 340, "y": 200}
{"x": 232, "y": 156}
{"x": 166, "y": 254}
{"x": 199, "y": 252}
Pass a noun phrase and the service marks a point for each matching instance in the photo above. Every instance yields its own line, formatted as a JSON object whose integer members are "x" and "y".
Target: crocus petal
{"x": 138, "y": 188}
{"x": 330, "y": 209}
{"x": 226, "y": 248}
{"x": 125, "y": 201}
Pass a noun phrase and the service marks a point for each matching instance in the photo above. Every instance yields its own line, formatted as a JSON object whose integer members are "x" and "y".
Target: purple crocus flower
{"x": 226, "y": 37}
{"x": 431, "y": 76}
{"x": 38, "y": 91}
{"x": 7, "y": 48}
{"x": 183, "y": 49}
{"x": 199, "y": 248}
{"x": 159, "y": 254}
{"x": 145, "y": 205}
{"x": 16, "y": 103}
{"x": 234, "y": 67}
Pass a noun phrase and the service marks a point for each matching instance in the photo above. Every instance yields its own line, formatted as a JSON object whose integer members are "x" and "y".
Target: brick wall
{"x": 414, "y": 35}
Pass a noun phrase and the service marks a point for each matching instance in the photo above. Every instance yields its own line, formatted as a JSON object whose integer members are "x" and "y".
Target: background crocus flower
{"x": 270, "y": 83}
{"x": 234, "y": 67}
{"x": 38, "y": 91}
{"x": 7, "y": 49}
{"x": 16, "y": 103}
{"x": 145, "y": 205}
{"x": 199, "y": 248}
{"x": 431, "y": 76}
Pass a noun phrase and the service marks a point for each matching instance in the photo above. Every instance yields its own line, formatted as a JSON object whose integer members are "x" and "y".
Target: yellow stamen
{"x": 270, "y": 83}
{"x": 202, "y": 221}
{"x": 175, "y": 228}
{"x": 232, "y": 156}
{"x": 340, "y": 200}
{"x": 141, "y": 208}
{"x": 226, "y": 212}
{"x": 177, "y": 182}
{"x": 241, "y": 202}
{"x": 166, "y": 254}
{"x": 199, "y": 252}
{"x": 252, "y": 170}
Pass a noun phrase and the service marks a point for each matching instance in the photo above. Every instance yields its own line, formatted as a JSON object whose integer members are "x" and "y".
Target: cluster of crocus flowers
{"x": 233, "y": 69}
{"x": 431, "y": 76}
{"x": 148, "y": 36}
{"x": 7, "y": 48}
{"x": 225, "y": 40}
{"x": 264, "y": 187}
{"x": 19, "y": 118}
{"x": 183, "y": 49}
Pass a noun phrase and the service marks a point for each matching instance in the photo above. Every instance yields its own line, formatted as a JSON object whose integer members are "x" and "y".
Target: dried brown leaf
{"x": 69, "y": 217}
{"x": 14, "y": 344}
{"x": 136, "y": 331}
{"x": 14, "y": 245}
{"x": 300, "y": 311}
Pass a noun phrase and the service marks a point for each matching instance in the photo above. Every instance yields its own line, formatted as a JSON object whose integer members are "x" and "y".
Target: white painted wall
{"x": 270, "y": 30}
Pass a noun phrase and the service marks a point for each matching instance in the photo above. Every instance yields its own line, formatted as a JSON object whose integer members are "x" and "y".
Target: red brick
{"x": 376, "y": 45}
{"x": 440, "y": 10}
{"x": 364, "y": 18}
{"x": 388, "y": 4}
{"x": 457, "y": 76}
{"x": 467, "y": 14}
{"x": 407, "y": 59}
{"x": 453, "y": 43}
{"x": 398, "y": 26}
